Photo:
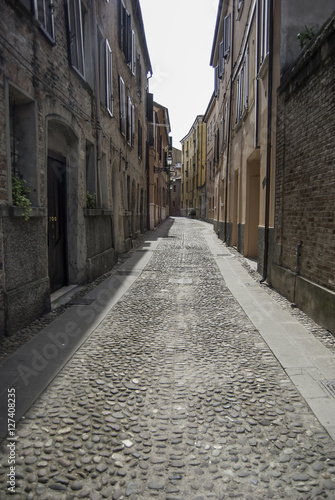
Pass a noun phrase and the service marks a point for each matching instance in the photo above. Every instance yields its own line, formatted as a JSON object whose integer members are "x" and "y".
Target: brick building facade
{"x": 73, "y": 125}
{"x": 304, "y": 255}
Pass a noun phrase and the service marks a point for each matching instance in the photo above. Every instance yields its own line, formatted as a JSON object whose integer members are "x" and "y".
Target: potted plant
{"x": 20, "y": 190}
{"x": 192, "y": 213}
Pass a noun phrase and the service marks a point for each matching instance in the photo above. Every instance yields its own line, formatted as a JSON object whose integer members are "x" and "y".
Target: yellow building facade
{"x": 193, "y": 170}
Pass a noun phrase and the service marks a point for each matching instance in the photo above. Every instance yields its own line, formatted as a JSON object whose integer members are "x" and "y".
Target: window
{"x": 122, "y": 106}
{"x": 109, "y": 79}
{"x": 44, "y": 13}
{"x": 226, "y": 124}
{"x": 226, "y": 34}
{"x": 22, "y": 134}
{"x": 75, "y": 35}
{"x": 264, "y": 29}
{"x": 126, "y": 34}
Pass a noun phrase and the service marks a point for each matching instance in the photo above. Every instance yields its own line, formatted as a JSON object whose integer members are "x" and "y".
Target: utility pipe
{"x": 268, "y": 149}
{"x": 229, "y": 121}
{"x": 97, "y": 100}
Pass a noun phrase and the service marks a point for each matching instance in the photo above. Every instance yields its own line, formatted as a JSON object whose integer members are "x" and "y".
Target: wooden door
{"x": 57, "y": 243}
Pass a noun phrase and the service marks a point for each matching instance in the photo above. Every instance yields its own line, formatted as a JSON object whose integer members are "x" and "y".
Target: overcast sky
{"x": 179, "y": 36}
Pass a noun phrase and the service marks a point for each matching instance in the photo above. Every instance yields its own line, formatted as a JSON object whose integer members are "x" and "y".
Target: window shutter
{"x": 122, "y": 106}
{"x": 139, "y": 76}
{"x": 222, "y": 133}
{"x": 221, "y": 60}
{"x": 150, "y": 118}
{"x": 133, "y": 52}
{"x": 227, "y": 20}
{"x": 140, "y": 140}
{"x": 128, "y": 50}
{"x": 216, "y": 81}
{"x": 132, "y": 125}
{"x": 246, "y": 79}
{"x": 109, "y": 79}
{"x": 128, "y": 120}
{"x": 226, "y": 124}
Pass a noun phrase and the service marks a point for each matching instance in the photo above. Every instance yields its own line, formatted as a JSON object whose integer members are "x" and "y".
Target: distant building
{"x": 159, "y": 148}
{"x": 193, "y": 163}
{"x": 211, "y": 159}
{"x": 175, "y": 183}
{"x": 73, "y": 97}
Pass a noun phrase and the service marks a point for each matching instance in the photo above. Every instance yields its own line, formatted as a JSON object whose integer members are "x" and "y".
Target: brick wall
{"x": 305, "y": 172}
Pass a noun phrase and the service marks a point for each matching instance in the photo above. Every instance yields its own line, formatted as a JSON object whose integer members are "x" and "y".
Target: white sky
{"x": 179, "y": 36}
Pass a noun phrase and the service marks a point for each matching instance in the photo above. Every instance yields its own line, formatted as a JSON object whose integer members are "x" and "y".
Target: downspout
{"x": 229, "y": 122}
{"x": 97, "y": 100}
{"x": 256, "y": 76}
{"x": 147, "y": 149}
{"x": 268, "y": 149}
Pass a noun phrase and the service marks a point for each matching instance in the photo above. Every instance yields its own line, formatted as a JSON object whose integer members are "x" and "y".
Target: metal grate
{"x": 330, "y": 386}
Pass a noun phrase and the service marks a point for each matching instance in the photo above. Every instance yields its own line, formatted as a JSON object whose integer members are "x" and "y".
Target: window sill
{"x": 97, "y": 212}
{"x": 13, "y": 211}
{"x": 264, "y": 68}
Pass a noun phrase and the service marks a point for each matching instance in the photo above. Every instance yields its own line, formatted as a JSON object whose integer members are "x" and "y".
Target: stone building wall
{"x": 305, "y": 181}
{"x": 55, "y": 110}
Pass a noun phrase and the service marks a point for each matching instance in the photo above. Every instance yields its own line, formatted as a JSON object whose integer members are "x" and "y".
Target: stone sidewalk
{"x": 175, "y": 394}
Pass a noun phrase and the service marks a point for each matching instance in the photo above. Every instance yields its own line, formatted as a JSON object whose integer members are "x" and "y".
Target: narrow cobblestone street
{"x": 174, "y": 396}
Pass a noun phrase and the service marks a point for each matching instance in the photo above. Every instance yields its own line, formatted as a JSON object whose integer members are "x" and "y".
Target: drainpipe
{"x": 256, "y": 79}
{"x": 268, "y": 149}
{"x": 97, "y": 99}
{"x": 229, "y": 121}
{"x": 297, "y": 272}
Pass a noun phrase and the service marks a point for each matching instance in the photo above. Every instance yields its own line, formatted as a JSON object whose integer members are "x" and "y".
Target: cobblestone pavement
{"x": 174, "y": 396}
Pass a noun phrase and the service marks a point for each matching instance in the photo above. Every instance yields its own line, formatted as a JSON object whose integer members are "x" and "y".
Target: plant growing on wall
{"x": 20, "y": 190}
{"x": 305, "y": 36}
{"x": 90, "y": 200}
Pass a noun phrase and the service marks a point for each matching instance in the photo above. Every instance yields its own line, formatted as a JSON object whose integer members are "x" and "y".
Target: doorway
{"x": 252, "y": 218}
{"x": 57, "y": 222}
